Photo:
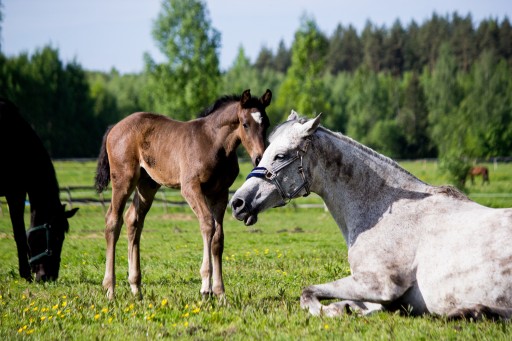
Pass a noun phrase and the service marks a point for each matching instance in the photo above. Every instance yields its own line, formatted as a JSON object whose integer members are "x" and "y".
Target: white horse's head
{"x": 280, "y": 176}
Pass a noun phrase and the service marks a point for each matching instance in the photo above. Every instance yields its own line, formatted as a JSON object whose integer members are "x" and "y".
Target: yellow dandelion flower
{"x": 20, "y": 330}
{"x": 30, "y": 331}
{"x": 164, "y": 302}
{"x": 110, "y": 320}
{"x": 25, "y": 310}
{"x": 185, "y": 324}
{"x": 43, "y": 309}
{"x": 197, "y": 310}
{"x": 174, "y": 324}
{"x": 65, "y": 303}
{"x": 185, "y": 315}
{"x": 266, "y": 251}
{"x": 131, "y": 306}
{"x": 43, "y": 318}
{"x": 92, "y": 306}
{"x": 97, "y": 316}
{"x": 326, "y": 326}
{"x": 104, "y": 310}
{"x": 35, "y": 309}
{"x": 23, "y": 296}
{"x": 55, "y": 307}
{"x": 186, "y": 306}
{"x": 50, "y": 317}
{"x": 150, "y": 305}
{"x": 64, "y": 296}
{"x": 32, "y": 303}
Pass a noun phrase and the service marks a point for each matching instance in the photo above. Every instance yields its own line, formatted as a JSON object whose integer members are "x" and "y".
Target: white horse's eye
{"x": 279, "y": 157}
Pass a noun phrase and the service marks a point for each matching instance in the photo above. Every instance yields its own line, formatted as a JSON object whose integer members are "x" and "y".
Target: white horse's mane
{"x": 367, "y": 150}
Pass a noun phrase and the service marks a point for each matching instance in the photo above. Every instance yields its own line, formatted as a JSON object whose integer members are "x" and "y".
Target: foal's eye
{"x": 245, "y": 125}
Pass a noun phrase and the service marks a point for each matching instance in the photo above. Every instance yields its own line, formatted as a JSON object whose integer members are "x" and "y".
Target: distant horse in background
{"x": 27, "y": 169}
{"x": 412, "y": 247}
{"x": 479, "y": 170}
{"x": 145, "y": 151}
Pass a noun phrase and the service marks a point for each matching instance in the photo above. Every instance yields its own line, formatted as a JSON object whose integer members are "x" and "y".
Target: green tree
{"x": 412, "y": 119}
{"x": 189, "y": 80}
{"x": 283, "y": 58}
{"x": 345, "y": 50}
{"x": 394, "y": 53}
{"x": 1, "y": 20}
{"x": 446, "y": 121}
{"x": 303, "y": 89}
{"x": 372, "y": 40}
{"x": 487, "y": 107}
{"x": 265, "y": 59}
{"x": 240, "y": 76}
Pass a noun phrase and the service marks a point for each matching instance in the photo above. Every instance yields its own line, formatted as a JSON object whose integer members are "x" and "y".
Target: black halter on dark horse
{"x": 29, "y": 171}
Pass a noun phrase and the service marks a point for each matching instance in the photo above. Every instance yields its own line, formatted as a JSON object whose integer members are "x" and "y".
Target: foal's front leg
{"x": 191, "y": 191}
{"x": 218, "y": 206}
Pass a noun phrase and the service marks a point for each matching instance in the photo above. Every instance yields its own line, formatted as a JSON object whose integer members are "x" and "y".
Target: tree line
{"x": 441, "y": 88}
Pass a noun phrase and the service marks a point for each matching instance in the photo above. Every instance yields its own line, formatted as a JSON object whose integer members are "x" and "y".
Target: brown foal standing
{"x": 145, "y": 151}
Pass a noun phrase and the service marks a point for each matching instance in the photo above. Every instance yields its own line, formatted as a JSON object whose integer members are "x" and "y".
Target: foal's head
{"x": 45, "y": 244}
{"x": 253, "y": 123}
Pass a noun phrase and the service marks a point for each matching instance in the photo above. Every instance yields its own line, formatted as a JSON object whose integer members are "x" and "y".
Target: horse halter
{"x": 271, "y": 175}
{"x": 48, "y": 251}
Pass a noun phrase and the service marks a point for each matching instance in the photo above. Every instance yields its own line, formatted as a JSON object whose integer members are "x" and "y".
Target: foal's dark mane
{"x": 227, "y": 99}
{"x": 219, "y": 103}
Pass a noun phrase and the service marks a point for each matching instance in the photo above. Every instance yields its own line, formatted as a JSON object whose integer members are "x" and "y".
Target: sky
{"x": 105, "y": 34}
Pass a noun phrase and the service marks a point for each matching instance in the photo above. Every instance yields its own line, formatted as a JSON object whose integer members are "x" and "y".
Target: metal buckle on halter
{"x": 48, "y": 251}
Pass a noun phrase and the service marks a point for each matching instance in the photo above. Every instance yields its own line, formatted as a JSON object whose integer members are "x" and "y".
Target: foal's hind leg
{"x": 113, "y": 222}
{"x": 134, "y": 217}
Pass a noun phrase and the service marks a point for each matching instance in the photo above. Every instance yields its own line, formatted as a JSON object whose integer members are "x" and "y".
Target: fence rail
{"x": 87, "y": 195}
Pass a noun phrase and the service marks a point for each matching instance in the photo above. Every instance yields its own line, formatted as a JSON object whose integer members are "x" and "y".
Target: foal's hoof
{"x": 110, "y": 294}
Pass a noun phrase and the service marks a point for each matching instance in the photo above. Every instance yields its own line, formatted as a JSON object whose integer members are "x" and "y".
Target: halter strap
{"x": 271, "y": 175}
{"x": 48, "y": 251}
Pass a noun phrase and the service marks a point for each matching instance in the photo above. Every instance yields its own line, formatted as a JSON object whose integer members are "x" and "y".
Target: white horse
{"x": 412, "y": 247}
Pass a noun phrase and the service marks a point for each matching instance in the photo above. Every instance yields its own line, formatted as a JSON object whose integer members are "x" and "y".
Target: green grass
{"x": 265, "y": 269}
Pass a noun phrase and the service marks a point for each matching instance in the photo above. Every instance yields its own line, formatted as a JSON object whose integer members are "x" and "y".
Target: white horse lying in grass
{"x": 413, "y": 247}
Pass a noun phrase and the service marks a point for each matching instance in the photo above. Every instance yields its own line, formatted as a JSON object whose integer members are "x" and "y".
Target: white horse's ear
{"x": 310, "y": 126}
{"x": 293, "y": 116}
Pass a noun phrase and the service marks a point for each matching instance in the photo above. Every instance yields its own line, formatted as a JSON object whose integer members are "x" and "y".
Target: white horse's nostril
{"x": 237, "y": 204}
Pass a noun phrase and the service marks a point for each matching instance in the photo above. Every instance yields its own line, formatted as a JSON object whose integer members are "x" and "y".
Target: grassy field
{"x": 265, "y": 269}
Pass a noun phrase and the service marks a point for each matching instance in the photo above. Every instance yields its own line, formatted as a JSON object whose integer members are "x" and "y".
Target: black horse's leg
{"x": 16, "y": 202}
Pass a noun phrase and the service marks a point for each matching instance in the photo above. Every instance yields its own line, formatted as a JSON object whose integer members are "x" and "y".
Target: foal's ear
{"x": 266, "y": 98}
{"x": 310, "y": 126}
{"x": 246, "y": 96}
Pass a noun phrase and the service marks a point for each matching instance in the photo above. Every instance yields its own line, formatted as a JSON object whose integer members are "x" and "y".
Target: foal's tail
{"x": 103, "y": 168}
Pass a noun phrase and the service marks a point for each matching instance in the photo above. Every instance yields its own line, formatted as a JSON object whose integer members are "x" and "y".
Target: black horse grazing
{"x": 26, "y": 168}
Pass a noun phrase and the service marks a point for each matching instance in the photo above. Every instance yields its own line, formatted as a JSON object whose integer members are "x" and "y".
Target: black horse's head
{"x": 45, "y": 245}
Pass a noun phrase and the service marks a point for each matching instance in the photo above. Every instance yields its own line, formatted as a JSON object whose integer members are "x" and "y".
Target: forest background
{"x": 437, "y": 89}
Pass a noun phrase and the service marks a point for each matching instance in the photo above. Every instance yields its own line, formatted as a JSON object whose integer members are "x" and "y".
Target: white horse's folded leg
{"x": 350, "y": 290}
{"x": 347, "y": 307}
